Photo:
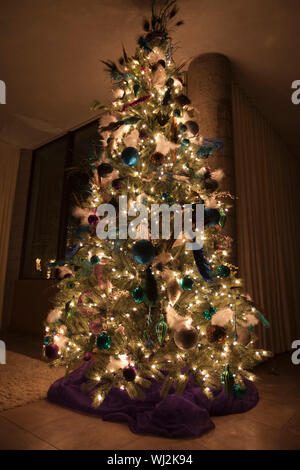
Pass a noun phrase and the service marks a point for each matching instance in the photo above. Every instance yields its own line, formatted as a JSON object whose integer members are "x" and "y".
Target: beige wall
{"x": 9, "y": 163}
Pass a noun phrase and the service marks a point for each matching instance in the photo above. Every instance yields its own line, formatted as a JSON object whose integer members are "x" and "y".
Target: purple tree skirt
{"x": 172, "y": 416}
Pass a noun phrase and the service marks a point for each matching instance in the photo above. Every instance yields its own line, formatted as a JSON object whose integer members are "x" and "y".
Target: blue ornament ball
{"x": 130, "y": 156}
{"x": 211, "y": 216}
{"x": 143, "y": 252}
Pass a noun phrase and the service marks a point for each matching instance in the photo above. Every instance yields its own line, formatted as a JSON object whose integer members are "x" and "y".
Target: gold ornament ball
{"x": 186, "y": 338}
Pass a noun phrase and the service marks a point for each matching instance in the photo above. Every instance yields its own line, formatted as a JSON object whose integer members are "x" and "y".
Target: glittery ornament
{"x": 215, "y": 334}
{"x": 223, "y": 271}
{"x": 157, "y": 158}
{"x": 95, "y": 259}
{"x": 138, "y": 294}
{"x": 186, "y": 338}
{"x": 103, "y": 341}
{"x": 187, "y": 283}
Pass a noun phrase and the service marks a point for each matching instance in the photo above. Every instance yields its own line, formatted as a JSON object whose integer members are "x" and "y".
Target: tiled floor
{"x": 273, "y": 424}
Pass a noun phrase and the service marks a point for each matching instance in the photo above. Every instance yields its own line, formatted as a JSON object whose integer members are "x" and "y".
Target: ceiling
{"x": 50, "y": 54}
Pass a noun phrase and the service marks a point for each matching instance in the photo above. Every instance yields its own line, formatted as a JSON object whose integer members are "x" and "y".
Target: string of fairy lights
{"x": 151, "y": 115}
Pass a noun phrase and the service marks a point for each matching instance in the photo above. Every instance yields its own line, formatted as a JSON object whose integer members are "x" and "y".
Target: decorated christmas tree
{"x": 148, "y": 307}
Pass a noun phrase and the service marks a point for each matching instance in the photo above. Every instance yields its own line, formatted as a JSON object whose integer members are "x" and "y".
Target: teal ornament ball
{"x": 47, "y": 339}
{"x": 238, "y": 391}
{"x": 138, "y": 294}
{"x": 167, "y": 198}
{"x": 177, "y": 112}
{"x": 95, "y": 259}
{"x": 187, "y": 283}
{"x": 143, "y": 252}
{"x": 223, "y": 271}
{"x": 103, "y": 341}
{"x": 207, "y": 315}
{"x": 130, "y": 156}
{"x": 185, "y": 142}
{"x": 212, "y": 310}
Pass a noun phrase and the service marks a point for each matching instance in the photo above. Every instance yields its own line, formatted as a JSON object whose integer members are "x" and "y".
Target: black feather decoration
{"x": 146, "y": 25}
{"x": 150, "y": 288}
{"x": 202, "y": 264}
{"x": 173, "y": 12}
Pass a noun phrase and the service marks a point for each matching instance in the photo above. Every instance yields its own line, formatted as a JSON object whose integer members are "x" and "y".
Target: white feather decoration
{"x": 163, "y": 145}
{"x": 131, "y": 139}
{"x": 63, "y": 270}
{"x": 159, "y": 77}
{"x": 251, "y": 320}
{"x": 175, "y": 321}
{"x": 54, "y": 315}
{"x": 115, "y": 364}
{"x": 222, "y": 317}
{"x": 156, "y": 55}
{"x": 82, "y": 214}
{"x": 218, "y": 174}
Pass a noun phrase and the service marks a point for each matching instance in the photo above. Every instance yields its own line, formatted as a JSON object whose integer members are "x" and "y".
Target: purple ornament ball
{"x": 93, "y": 219}
{"x": 51, "y": 351}
{"x": 129, "y": 374}
{"x": 87, "y": 356}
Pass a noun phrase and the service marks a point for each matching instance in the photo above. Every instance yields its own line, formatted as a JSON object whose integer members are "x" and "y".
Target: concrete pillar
{"x": 209, "y": 88}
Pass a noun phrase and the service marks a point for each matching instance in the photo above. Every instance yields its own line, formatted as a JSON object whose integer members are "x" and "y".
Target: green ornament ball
{"x": 187, "y": 283}
{"x": 167, "y": 198}
{"x": 223, "y": 271}
{"x": 239, "y": 392}
{"x": 103, "y": 341}
{"x": 95, "y": 259}
{"x": 138, "y": 294}
{"x": 207, "y": 315}
{"x": 212, "y": 310}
